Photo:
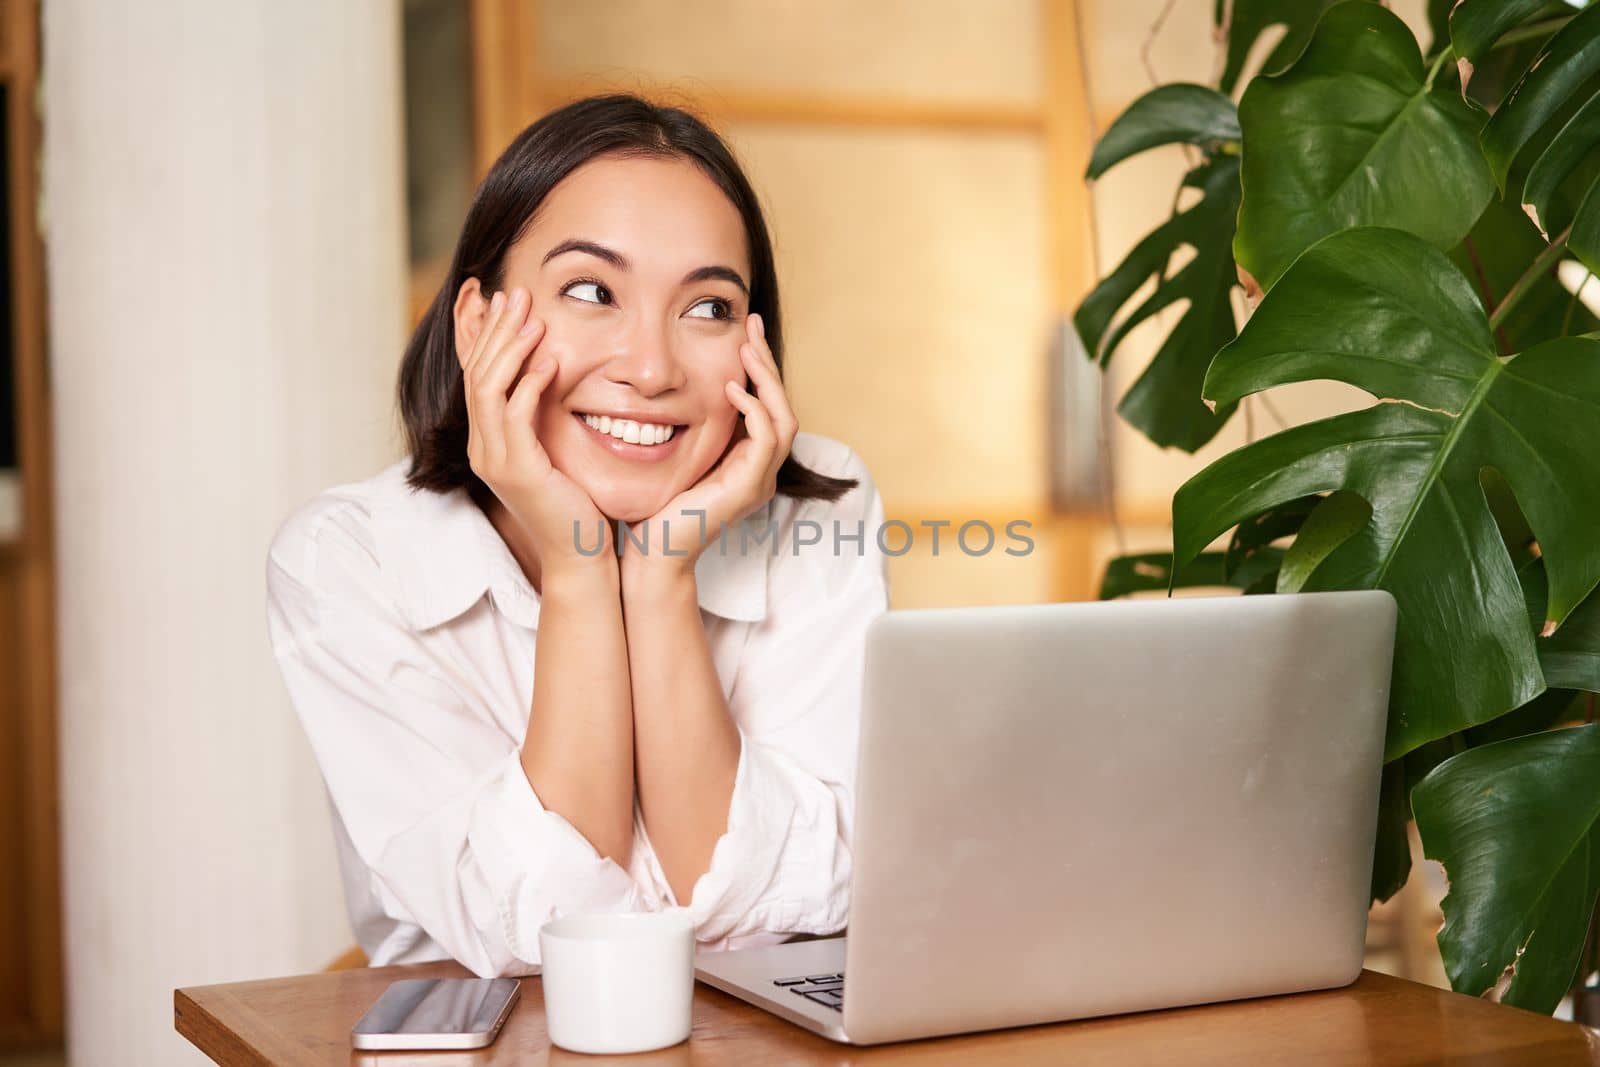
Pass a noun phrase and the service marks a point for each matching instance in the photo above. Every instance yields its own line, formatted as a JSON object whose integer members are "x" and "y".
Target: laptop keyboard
{"x": 824, "y": 989}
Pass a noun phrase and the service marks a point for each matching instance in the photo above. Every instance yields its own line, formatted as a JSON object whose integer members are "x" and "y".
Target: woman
{"x": 596, "y": 644}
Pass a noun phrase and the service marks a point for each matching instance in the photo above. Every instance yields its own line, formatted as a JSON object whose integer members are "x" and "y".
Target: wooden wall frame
{"x": 28, "y": 564}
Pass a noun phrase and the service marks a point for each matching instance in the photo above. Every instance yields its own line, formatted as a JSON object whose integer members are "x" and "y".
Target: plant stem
{"x": 1439, "y": 61}
{"x": 1536, "y": 270}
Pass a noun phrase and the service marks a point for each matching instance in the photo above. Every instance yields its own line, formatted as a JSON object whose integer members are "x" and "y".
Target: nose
{"x": 646, "y": 361}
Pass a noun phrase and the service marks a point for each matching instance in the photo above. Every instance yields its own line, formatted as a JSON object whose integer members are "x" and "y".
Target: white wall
{"x": 223, "y": 215}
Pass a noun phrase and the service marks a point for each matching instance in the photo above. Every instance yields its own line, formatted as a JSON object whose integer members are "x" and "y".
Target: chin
{"x": 628, "y": 507}
{"x": 631, "y": 516}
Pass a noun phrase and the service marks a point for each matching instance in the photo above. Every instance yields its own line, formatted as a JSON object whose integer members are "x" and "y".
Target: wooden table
{"x": 1378, "y": 1020}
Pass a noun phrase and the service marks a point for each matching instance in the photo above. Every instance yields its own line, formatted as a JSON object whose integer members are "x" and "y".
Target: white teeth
{"x": 640, "y": 433}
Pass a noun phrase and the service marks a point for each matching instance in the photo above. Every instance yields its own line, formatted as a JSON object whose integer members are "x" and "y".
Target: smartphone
{"x": 437, "y": 1013}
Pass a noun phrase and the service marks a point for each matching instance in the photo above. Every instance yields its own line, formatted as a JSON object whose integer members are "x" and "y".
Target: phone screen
{"x": 428, "y": 1013}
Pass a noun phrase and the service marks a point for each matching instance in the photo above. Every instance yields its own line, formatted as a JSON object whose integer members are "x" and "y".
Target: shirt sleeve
{"x": 431, "y": 795}
{"x": 783, "y": 865}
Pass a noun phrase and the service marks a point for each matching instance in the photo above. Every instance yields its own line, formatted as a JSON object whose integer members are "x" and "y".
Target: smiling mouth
{"x": 643, "y": 435}
{"x": 631, "y": 431}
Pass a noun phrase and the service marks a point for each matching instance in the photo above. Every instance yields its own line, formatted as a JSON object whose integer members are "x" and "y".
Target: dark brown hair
{"x": 432, "y": 399}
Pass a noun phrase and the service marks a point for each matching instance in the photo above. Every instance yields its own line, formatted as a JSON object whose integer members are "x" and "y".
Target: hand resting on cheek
{"x": 502, "y": 391}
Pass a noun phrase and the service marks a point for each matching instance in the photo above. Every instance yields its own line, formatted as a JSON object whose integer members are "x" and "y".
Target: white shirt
{"x": 404, "y": 629}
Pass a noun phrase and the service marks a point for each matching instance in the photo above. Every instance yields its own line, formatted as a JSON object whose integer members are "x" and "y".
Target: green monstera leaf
{"x": 1571, "y": 655}
{"x": 1385, "y": 311}
{"x": 1164, "y": 403}
{"x": 1438, "y": 14}
{"x": 1150, "y": 572}
{"x": 1585, "y": 238}
{"x": 1339, "y": 517}
{"x": 1566, "y": 152}
{"x": 1551, "y": 708}
{"x": 1563, "y": 68}
{"x": 1391, "y": 852}
{"x": 1171, "y": 114}
{"x": 1259, "y": 533}
{"x": 1475, "y": 25}
{"x": 1354, "y": 134}
{"x": 1247, "y": 20}
{"x": 1542, "y": 142}
{"x": 1494, "y": 41}
{"x": 1516, "y": 825}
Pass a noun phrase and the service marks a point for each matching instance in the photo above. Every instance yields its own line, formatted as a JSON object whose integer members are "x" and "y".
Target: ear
{"x": 471, "y": 309}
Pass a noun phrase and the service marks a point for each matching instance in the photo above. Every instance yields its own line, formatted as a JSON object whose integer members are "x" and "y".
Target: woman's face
{"x": 639, "y": 270}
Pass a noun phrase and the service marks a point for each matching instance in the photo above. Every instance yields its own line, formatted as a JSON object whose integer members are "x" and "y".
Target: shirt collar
{"x": 443, "y": 553}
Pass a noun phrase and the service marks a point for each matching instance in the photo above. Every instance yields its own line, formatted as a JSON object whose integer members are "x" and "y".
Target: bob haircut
{"x": 432, "y": 396}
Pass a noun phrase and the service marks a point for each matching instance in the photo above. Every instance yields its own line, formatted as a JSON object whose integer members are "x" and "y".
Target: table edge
{"x": 197, "y": 1025}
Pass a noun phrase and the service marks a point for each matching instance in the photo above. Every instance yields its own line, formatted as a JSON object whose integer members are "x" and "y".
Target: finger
{"x": 752, "y": 459}
{"x": 499, "y": 371}
{"x": 514, "y": 313}
{"x": 737, "y": 454}
{"x": 756, "y": 330}
{"x": 757, "y": 422}
{"x": 480, "y": 344}
{"x": 770, "y": 391}
{"x": 520, "y": 437}
{"x": 773, "y": 396}
{"x": 764, "y": 352}
{"x": 501, "y": 366}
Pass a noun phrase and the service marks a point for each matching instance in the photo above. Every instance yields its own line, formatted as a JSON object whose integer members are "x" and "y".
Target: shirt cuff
{"x": 536, "y": 863}
{"x": 781, "y": 865}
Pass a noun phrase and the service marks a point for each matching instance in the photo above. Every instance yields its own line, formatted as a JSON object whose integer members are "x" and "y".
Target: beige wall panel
{"x": 916, "y": 49}
{"x": 1115, "y": 32}
{"x": 919, "y": 579}
{"x": 912, "y": 267}
{"x": 1415, "y": 15}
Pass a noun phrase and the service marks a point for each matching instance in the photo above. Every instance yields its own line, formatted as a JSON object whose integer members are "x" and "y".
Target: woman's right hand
{"x": 554, "y": 512}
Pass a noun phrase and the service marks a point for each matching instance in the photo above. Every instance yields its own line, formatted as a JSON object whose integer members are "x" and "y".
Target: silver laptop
{"x": 1070, "y": 810}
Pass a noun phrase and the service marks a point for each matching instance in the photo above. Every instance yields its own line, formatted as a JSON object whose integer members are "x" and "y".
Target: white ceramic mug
{"x": 618, "y": 982}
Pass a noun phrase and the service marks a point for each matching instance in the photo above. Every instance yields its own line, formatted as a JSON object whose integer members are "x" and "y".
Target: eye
{"x": 721, "y": 309}
{"x": 602, "y": 295}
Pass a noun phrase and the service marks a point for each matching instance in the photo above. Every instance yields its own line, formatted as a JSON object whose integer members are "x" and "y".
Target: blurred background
{"x": 220, "y": 222}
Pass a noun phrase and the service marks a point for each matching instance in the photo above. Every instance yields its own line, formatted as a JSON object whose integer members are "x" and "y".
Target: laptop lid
{"x": 1067, "y": 810}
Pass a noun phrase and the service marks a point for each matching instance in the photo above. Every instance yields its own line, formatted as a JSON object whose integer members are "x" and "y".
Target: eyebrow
{"x": 620, "y": 261}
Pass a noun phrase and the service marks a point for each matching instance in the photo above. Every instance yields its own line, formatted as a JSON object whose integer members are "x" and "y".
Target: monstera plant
{"x": 1398, "y": 218}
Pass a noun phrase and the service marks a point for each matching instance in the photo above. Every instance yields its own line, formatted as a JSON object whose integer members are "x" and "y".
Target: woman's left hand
{"x": 745, "y": 478}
